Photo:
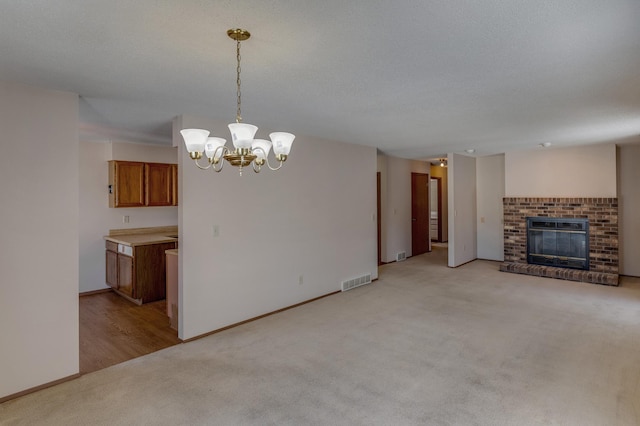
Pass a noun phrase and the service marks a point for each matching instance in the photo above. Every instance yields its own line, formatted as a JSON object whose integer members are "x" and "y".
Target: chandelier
{"x": 246, "y": 150}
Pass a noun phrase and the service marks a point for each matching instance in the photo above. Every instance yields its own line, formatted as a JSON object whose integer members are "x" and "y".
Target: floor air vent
{"x": 356, "y": 282}
{"x": 401, "y": 256}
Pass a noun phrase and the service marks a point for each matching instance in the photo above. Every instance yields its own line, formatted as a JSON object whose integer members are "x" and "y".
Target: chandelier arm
{"x": 273, "y": 168}
{"x": 218, "y": 169}
{"x": 223, "y": 150}
{"x": 257, "y": 167}
{"x": 208, "y": 166}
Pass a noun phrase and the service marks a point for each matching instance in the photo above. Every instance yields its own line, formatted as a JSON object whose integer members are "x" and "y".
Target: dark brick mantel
{"x": 602, "y": 214}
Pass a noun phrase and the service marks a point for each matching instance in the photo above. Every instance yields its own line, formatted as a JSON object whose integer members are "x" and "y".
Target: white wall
{"x": 396, "y": 195}
{"x": 490, "y": 191}
{"x": 462, "y": 209}
{"x": 398, "y": 209}
{"x": 629, "y": 206}
{"x": 150, "y": 153}
{"x": 39, "y": 261}
{"x": 96, "y": 218}
{"x": 382, "y": 169}
{"x": 587, "y": 171}
{"x": 315, "y": 218}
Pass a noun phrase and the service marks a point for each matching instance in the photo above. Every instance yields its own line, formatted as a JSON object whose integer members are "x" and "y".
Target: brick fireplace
{"x": 602, "y": 214}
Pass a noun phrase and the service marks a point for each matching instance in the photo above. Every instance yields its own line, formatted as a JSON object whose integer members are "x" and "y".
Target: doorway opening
{"x": 436, "y": 209}
{"x": 114, "y": 330}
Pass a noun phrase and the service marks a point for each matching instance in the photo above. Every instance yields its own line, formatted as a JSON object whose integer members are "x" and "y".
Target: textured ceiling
{"x": 417, "y": 79}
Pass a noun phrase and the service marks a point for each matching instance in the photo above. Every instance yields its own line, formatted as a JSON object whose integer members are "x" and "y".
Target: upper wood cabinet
{"x": 126, "y": 184}
{"x": 158, "y": 184}
{"x": 137, "y": 184}
{"x": 174, "y": 185}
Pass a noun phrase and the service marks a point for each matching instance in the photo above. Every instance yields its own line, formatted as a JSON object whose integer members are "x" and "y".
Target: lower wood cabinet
{"x": 112, "y": 266}
{"x": 140, "y": 273}
{"x": 125, "y": 276}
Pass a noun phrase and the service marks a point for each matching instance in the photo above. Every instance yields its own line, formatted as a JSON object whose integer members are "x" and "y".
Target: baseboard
{"x": 38, "y": 388}
{"x": 200, "y": 336}
{"x": 92, "y": 292}
{"x": 462, "y": 264}
{"x": 129, "y": 298}
{"x": 395, "y": 261}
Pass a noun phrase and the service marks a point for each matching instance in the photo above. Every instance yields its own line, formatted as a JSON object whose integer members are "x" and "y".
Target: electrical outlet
{"x": 300, "y": 280}
{"x": 125, "y": 219}
{"x": 216, "y": 230}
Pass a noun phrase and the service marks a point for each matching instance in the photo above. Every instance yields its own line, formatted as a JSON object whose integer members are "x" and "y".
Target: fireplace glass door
{"x": 558, "y": 242}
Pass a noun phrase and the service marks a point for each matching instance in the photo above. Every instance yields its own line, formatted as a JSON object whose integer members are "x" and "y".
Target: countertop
{"x": 143, "y": 236}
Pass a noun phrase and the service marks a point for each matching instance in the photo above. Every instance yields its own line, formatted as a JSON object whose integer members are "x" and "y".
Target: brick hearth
{"x": 603, "y": 236}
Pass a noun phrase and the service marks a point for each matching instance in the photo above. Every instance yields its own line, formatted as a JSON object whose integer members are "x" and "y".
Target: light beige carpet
{"x": 423, "y": 345}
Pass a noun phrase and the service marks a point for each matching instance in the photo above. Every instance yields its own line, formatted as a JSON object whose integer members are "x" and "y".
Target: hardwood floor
{"x": 114, "y": 330}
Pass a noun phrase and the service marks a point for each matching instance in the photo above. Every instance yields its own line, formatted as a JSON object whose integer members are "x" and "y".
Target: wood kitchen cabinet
{"x": 138, "y": 184}
{"x": 137, "y": 272}
{"x": 112, "y": 264}
{"x": 158, "y": 184}
{"x": 126, "y": 184}
{"x": 126, "y": 275}
{"x": 174, "y": 184}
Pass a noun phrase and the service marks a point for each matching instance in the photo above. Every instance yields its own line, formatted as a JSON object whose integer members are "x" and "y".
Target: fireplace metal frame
{"x": 555, "y": 225}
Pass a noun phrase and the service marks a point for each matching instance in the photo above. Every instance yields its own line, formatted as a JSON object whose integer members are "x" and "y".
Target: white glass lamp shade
{"x": 242, "y": 134}
{"x": 263, "y": 148}
{"x": 282, "y": 142}
{"x": 195, "y": 139}
{"x": 212, "y": 147}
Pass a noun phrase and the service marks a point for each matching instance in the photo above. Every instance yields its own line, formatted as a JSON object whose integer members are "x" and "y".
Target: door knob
{"x": 413, "y": 219}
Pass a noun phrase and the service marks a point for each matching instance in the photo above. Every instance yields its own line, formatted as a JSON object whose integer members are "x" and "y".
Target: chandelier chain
{"x": 238, "y": 113}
